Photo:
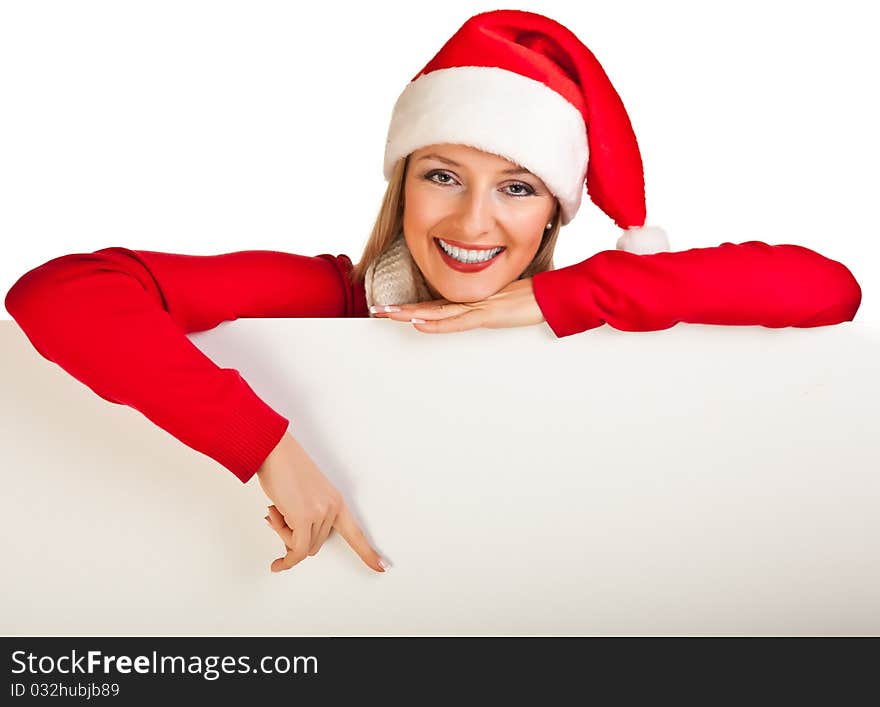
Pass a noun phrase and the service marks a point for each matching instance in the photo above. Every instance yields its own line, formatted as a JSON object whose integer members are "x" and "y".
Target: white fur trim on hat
{"x": 643, "y": 240}
{"x": 496, "y": 111}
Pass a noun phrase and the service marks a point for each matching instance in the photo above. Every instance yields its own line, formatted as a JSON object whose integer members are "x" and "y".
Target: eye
{"x": 447, "y": 179}
{"x": 438, "y": 173}
{"x": 528, "y": 190}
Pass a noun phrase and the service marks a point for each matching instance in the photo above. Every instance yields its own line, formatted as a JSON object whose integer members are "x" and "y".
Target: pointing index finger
{"x": 354, "y": 536}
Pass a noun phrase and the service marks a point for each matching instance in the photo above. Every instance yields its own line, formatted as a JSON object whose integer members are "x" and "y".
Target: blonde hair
{"x": 389, "y": 224}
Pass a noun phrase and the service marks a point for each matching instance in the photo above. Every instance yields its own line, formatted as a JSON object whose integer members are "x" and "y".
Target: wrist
{"x": 273, "y": 455}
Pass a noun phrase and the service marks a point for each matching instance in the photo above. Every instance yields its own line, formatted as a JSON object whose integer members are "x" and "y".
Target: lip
{"x": 464, "y": 267}
{"x": 469, "y": 246}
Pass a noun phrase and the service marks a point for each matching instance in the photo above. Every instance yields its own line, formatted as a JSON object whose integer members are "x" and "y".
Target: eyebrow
{"x": 512, "y": 170}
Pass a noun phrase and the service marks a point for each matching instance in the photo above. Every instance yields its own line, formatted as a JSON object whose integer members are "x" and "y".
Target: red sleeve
{"x": 116, "y": 320}
{"x": 749, "y": 283}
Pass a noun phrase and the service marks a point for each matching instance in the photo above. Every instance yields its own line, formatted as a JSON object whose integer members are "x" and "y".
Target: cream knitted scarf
{"x": 394, "y": 277}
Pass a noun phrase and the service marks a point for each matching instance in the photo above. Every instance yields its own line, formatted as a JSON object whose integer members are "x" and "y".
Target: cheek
{"x": 527, "y": 244}
{"x": 421, "y": 212}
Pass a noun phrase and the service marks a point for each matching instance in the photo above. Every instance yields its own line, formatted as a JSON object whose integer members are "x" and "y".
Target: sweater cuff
{"x": 252, "y": 431}
{"x": 566, "y": 299}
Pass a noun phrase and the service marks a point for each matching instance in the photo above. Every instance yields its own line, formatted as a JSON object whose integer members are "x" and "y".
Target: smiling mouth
{"x": 466, "y": 246}
{"x": 467, "y": 260}
{"x": 468, "y": 255}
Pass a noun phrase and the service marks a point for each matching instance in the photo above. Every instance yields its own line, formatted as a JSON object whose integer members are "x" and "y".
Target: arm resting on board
{"x": 116, "y": 320}
{"x": 750, "y": 283}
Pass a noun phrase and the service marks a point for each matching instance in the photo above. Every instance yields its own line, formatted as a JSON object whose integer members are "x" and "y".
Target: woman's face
{"x": 473, "y": 200}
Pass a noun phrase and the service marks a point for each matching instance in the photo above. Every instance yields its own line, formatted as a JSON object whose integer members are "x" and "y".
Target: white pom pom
{"x": 644, "y": 240}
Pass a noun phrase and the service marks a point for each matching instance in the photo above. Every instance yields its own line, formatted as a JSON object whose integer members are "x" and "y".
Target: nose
{"x": 476, "y": 213}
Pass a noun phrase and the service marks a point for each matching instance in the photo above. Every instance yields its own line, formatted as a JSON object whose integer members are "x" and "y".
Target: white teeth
{"x": 468, "y": 256}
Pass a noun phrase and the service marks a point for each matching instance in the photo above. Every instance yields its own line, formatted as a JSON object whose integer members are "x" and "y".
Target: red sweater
{"x": 116, "y": 319}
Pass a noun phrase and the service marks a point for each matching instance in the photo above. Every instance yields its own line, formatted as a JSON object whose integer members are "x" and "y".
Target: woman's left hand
{"x": 514, "y": 305}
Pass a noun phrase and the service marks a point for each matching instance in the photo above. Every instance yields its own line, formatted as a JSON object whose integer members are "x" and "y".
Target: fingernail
{"x": 417, "y": 321}
{"x": 384, "y": 308}
{"x": 383, "y": 563}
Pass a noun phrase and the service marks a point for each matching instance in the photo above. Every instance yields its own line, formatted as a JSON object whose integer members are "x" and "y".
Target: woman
{"x": 488, "y": 152}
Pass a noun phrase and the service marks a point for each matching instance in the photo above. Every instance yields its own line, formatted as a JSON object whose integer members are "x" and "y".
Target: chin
{"x": 456, "y": 292}
{"x": 465, "y": 287}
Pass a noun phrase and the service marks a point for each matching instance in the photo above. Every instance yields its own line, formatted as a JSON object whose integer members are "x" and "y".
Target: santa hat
{"x": 522, "y": 86}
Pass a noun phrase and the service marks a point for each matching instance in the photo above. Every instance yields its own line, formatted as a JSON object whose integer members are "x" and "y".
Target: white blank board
{"x": 697, "y": 480}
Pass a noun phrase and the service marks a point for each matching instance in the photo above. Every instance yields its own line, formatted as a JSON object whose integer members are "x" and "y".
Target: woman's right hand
{"x": 310, "y": 506}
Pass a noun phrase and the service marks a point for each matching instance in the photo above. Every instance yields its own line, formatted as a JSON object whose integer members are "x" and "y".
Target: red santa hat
{"x": 524, "y": 87}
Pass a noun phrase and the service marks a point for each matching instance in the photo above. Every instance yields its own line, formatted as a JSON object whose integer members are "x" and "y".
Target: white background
{"x": 209, "y": 127}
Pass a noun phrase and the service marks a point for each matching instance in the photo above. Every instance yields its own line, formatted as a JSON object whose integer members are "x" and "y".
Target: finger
{"x": 276, "y": 520}
{"x": 277, "y": 531}
{"x": 430, "y": 303}
{"x": 421, "y": 311}
{"x": 299, "y": 548}
{"x": 406, "y": 307}
{"x": 355, "y": 537}
{"x": 322, "y": 533}
{"x": 301, "y": 543}
{"x": 282, "y": 563}
{"x": 472, "y": 319}
{"x": 296, "y": 552}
